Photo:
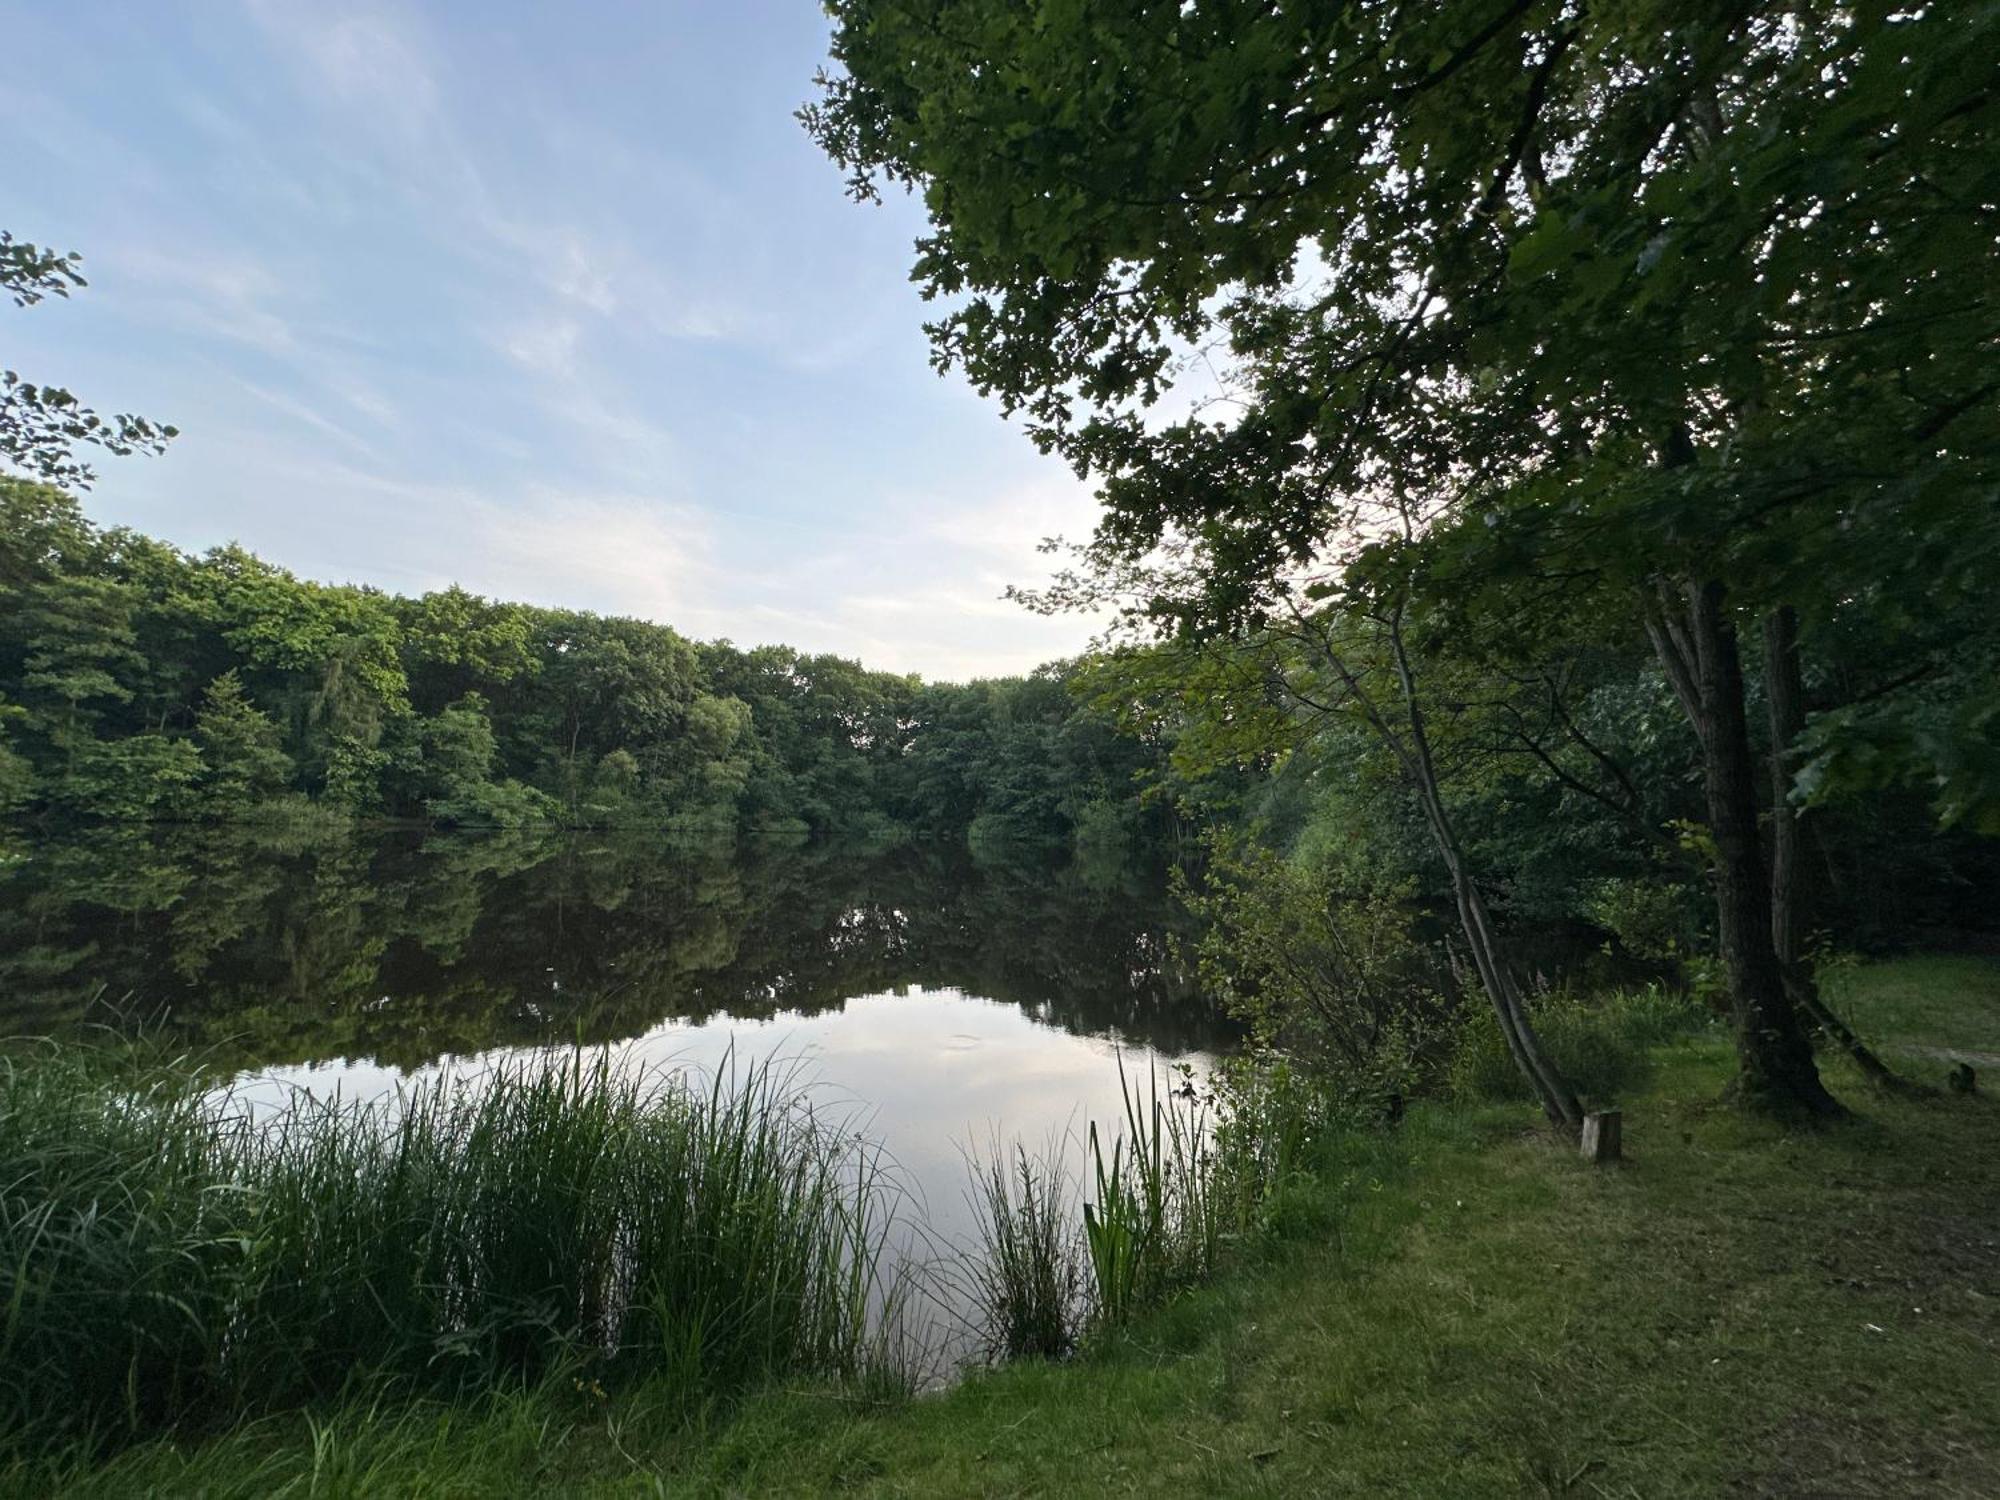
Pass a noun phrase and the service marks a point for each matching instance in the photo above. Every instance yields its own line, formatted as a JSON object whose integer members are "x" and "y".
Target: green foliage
{"x": 1105, "y": 831}
{"x": 1171, "y": 1188}
{"x": 17, "y": 774}
{"x": 1335, "y": 976}
{"x": 1026, "y": 1275}
{"x": 1273, "y": 1121}
{"x": 80, "y": 648}
{"x": 1942, "y": 735}
{"x": 458, "y": 786}
{"x": 135, "y": 779}
{"x": 1512, "y": 261}
{"x": 245, "y": 763}
{"x": 1465, "y": 1250}
{"x": 1466, "y": 341}
{"x": 460, "y": 710}
{"x": 41, "y": 426}
{"x": 1153, "y": 1221}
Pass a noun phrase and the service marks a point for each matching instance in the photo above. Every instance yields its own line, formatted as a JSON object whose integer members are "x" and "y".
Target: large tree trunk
{"x": 1791, "y": 872}
{"x": 1697, "y": 645}
{"x": 1784, "y": 698}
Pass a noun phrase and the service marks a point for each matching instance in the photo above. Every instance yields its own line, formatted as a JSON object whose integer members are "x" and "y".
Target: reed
{"x": 1026, "y": 1277}
{"x": 1153, "y": 1222}
{"x": 168, "y": 1261}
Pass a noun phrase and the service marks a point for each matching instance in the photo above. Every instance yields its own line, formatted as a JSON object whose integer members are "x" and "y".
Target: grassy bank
{"x": 1454, "y": 1308}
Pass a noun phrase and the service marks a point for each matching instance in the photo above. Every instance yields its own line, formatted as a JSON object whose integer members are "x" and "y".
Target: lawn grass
{"x": 1462, "y": 1308}
{"x": 1923, "y": 1006}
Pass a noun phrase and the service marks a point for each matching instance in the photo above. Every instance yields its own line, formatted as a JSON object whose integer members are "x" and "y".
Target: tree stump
{"x": 1601, "y": 1135}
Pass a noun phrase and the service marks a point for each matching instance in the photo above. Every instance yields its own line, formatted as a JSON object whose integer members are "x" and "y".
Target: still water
{"x": 943, "y": 1005}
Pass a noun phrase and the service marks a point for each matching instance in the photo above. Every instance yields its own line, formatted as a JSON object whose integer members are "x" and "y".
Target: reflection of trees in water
{"x": 292, "y": 948}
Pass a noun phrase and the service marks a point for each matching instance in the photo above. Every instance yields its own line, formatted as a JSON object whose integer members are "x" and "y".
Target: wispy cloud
{"x": 545, "y": 344}
{"x": 617, "y": 554}
{"x": 310, "y": 416}
{"x": 224, "y": 294}
{"x": 364, "y": 58}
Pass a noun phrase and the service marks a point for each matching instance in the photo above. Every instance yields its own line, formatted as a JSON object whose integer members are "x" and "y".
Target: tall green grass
{"x": 1026, "y": 1273}
{"x": 1169, "y": 1188}
{"x": 167, "y": 1260}
{"x": 1153, "y": 1221}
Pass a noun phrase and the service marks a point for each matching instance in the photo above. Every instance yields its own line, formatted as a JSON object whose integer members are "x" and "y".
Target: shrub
{"x": 1027, "y": 1278}
{"x": 1336, "y": 978}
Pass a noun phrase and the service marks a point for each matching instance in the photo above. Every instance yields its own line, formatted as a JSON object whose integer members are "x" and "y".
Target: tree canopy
{"x": 41, "y": 426}
{"x": 137, "y": 682}
{"x": 1498, "y": 330}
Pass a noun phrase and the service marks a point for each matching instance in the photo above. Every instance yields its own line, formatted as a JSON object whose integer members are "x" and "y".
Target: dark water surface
{"x": 947, "y": 1004}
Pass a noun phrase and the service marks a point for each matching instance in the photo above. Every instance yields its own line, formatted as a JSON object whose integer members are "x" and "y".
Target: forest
{"x": 1276, "y": 767}
{"x": 1427, "y": 368}
{"x": 145, "y": 686}
{"x": 138, "y": 683}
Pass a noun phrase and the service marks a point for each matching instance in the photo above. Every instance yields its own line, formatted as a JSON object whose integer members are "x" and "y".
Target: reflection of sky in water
{"x": 926, "y": 1074}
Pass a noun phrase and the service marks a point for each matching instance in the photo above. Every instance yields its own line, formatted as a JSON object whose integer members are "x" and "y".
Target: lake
{"x": 945, "y": 1005}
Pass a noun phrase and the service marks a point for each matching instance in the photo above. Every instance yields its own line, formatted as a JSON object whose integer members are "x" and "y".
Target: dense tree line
{"x": 1600, "y": 503}
{"x": 139, "y": 682}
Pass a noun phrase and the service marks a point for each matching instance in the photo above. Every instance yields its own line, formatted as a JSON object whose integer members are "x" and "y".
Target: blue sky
{"x": 554, "y": 301}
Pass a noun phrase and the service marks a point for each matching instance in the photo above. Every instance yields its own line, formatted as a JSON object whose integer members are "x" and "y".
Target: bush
{"x": 1336, "y": 978}
{"x": 1027, "y": 1280}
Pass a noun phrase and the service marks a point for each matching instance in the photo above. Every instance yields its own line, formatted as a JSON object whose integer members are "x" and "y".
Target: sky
{"x": 556, "y": 302}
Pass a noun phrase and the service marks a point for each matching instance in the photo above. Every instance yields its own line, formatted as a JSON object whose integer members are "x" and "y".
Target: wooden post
{"x": 1601, "y": 1141}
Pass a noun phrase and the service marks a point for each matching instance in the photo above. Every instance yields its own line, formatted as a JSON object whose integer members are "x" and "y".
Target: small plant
{"x": 1027, "y": 1280}
{"x": 1154, "y": 1222}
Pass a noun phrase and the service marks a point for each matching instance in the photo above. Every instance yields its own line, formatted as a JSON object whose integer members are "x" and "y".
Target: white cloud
{"x": 308, "y": 415}
{"x": 224, "y": 293}
{"x": 546, "y": 345}
{"x": 607, "y": 552}
{"x": 623, "y": 354}
{"x": 363, "y": 58}
{"x": 580, "y": 277}
{"x": 1007, "y": 531}
{"x": 927, "y": 596}
{"x": 612, "y": 554}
